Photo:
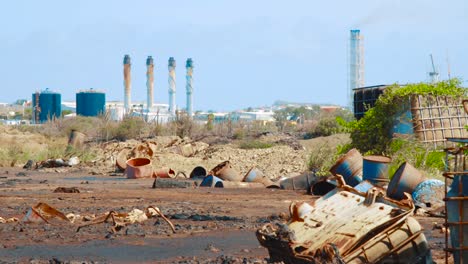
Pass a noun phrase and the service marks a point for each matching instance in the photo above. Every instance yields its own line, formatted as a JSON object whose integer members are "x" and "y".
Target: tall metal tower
{"x": 172, "y": 85}
{"x": 149, "y": 82}
{"x": 434, "y": 74}
{"x": 189, "y": 86}
{"x": 356, "y": 63}
{"x": 127, "y": 83}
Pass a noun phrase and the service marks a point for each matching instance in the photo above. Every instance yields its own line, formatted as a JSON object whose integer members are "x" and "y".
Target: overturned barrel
{"x": 405, "y": 179}
{"x": 375, "y": 169}
{"x": 256, "y": 175}
{"x": 198, "y": 172}
{"x": 300, "y": 182}
{"x": 164, "y": 173}
{"x": 210, "y": 181}
{"x": 226, "y": 172}
{"x": 350, "y": 167}
{"x": 139, "y": 168}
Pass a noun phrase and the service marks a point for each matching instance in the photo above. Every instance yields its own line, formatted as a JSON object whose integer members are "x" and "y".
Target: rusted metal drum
{"x": 198, "y": 172}
{"x": 139, "y": 168}
{"x": 350, "y": 167}
{"x": 300, "y": 182}
{"x": 226, "y": 172}
{"x": 164, "y": 173}
{"x": 465, "y": 105}
{"x": 76, "y": 139}
{"x": 256, "y": 175}
{"x": 375, "y": 169}
{"x": 405, "y": 179}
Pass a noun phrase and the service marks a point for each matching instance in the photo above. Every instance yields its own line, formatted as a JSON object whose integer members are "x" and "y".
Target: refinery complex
{"x": 48, "y": 105}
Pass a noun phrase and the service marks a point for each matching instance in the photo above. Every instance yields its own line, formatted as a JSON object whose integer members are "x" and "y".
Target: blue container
{"x": 403, "y": 121}
{"x": 90, "y": 103}
{"x": 350, "y": 167}
{"x": 46, "y": 105}
{"x": 429, "y": 193}
{"x": 210, "y": 181}
{"x": 375, "y": 170}
{"x": 457, "y": 211}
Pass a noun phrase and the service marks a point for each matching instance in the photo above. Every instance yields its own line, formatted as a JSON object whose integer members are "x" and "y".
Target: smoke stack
{"x": 356, "y": 63}
{"x": 172, "y": 85}
{"x": 127, "y": 82}
{"x": 189, "y": 87}
{"x": 149, "y": 82}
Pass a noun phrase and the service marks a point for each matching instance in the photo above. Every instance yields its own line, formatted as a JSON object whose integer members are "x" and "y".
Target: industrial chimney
{"x": 189, "y": 87}
{"x": 172, "y": 85}
{"x": 149, "y": 82}
{"x": 127, "y": 83}
{"x": 356, "y": 63}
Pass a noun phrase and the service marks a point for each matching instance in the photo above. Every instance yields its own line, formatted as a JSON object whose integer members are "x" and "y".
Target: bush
{"x": 372, "y": 133}
{"x": 129, "y": 127}
{"x": 322, "y": 160}
{"x": 255, "y": 144}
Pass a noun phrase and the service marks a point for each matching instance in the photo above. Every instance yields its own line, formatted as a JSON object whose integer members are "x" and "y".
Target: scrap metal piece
{"x": 43, "y": 212}
{"x": 120, "y": 220}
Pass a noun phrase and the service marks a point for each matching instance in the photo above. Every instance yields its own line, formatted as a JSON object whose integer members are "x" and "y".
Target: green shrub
{"x": 129, "y": 128}
{"x": 372, "y": 134}
{"x": 255, "y": 144}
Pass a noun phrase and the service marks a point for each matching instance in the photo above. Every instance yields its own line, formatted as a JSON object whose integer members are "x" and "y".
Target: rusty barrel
{"x": 256, "y": 175}
{"x": 226, "y": 172}
{"x": 405, "y": 179}
{"x": 139, "y": 168}
{"x": 375, "y": 169}
{"x": 164, "y": 173}
{"x": 76, "y": 139}
{"x": 350, "y": 167}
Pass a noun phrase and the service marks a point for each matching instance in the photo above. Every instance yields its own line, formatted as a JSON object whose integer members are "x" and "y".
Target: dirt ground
{"x": 212, "y": 225}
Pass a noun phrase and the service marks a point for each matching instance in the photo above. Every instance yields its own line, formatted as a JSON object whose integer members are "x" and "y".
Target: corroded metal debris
{"x": 347, "y": 226}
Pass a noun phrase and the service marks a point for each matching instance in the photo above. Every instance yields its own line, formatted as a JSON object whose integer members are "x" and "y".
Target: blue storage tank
{"x": 90, "y": 103}
{"x": 47, "y": 105}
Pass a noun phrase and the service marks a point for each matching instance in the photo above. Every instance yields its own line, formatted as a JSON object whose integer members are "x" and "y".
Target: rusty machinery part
{"x": 44, "y": 212}
{"x": 297, "y": 241}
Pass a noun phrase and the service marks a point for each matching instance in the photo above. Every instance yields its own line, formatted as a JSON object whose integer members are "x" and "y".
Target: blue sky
{"x": 246, "y": 53}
